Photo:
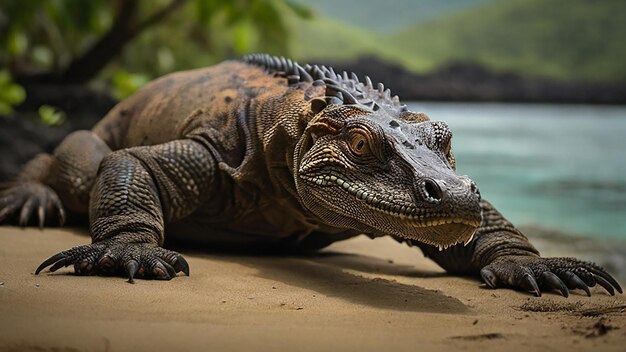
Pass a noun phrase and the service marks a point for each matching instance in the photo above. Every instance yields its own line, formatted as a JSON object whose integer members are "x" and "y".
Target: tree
{"x": 72, "y": 41}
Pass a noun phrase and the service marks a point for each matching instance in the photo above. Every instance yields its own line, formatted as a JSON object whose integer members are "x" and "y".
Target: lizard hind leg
{"x": 24, "y": 198}
{"x": 50, "y": 183}
{"x": 78, "y": 158}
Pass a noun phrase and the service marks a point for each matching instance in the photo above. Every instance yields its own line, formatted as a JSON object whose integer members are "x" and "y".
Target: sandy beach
{"x": 357, "y": 295}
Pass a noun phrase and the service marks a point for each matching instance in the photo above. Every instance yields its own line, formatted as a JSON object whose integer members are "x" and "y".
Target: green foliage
{"x": 51, "y": 115}
{"x": 46, "y": 35}
{"x": 126, "y": 83}
{"x": 11, "y": 94}
{"x": 49, "y": 36}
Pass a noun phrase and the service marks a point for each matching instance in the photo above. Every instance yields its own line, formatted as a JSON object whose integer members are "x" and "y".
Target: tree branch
{"x": 124, "y": 29}
{"x": 160, "y": 15}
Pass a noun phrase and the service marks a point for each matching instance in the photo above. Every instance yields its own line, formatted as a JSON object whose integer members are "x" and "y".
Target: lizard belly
{"x": 267, "y": 223}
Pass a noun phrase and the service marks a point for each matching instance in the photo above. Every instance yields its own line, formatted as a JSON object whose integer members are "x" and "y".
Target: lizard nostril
{"x": 432, "y": 189}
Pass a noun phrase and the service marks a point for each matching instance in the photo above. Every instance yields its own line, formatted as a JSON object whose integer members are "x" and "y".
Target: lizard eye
{"x": 359, "y": 144}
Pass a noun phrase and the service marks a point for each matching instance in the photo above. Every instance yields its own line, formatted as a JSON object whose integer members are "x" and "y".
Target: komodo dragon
{"x": 266, "y": 153}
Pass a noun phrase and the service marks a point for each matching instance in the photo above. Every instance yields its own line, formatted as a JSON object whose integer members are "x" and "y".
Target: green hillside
{"x": 390, "y": 15}
{"x": 568, "y": 39}
{"x": 323, "y": 38}
{"x": 559, "y": 38}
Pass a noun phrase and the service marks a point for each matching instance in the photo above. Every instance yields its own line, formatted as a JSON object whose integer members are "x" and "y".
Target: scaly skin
{"x": 264, "y": 152}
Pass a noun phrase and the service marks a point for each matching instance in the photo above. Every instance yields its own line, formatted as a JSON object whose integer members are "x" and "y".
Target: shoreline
{"x": 471, "y": 82}
{"x": 609, "y": 252}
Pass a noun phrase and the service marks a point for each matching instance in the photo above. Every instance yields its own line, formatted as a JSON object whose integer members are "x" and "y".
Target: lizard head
{"x": 385, "y": 172}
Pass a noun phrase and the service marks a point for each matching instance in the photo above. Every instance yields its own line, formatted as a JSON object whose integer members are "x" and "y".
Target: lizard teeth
{"x": 471, "y": 237}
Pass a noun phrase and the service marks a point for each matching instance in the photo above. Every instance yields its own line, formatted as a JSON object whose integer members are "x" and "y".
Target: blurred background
{"x": 533, "y": 90}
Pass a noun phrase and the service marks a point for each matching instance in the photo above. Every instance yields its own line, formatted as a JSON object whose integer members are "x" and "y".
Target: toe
{"x": 7, "y": 211}
{"x": 52, "y": 260}
{"x": 170, "y": 269}
{"x": 160, "y": 272}
{"x": 181, "y": 265}
{"x": 41, "y": 216}
{"x": 607, "y": 286}
{"x": 529, "y": 283}
{"x": 574, "y": 282}
{"x": 600, "y": 272}
{"x": 56, "y": 204}
{"x": 132, "y": 266}
{"x": 84, "y": 267}
{"x": 27, "y": 209}
{"x": 489, "y": 277}
{"x": 107, "y": 264}
{"x": 551, "y": 281}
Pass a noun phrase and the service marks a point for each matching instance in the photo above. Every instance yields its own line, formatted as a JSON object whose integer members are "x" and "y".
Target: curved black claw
{"x": 553, "y": 282}
{"x": 131, "y": 268}
{"x": 52, "y": 260}
{"x": 181, "y": 265}
{"x": 489, "y": 278}
{"x": 560, "y": 274}
{"x": 600, "y": 272}
{"x": 111, "y": 257}
{"x": 530, "y": 284}
{"x": 24, "y": 200}
{"x": 170, "y": 269}
{"x": 574, "y": 282}
{"x": 607, "y": 286}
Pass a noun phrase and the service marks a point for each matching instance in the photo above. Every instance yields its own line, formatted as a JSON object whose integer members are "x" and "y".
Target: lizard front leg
{"x": 503, "y": 256}
{"x": 137, "y": 192}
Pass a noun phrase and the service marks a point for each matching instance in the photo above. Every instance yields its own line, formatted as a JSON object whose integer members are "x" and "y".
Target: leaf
{"x": 241, "y": 33}
{"x": 5, "y": 109}
{"x": 51, "y": 115}
{"x": 11, "y": 94}
{"x": 126, "y": 83}
{"x": 17, "y": 43}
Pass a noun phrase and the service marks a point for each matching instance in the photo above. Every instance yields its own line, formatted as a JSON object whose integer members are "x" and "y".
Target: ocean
{"x": 556, "y": 167}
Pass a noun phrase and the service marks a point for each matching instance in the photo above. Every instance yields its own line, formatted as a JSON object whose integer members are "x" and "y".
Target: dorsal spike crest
{"x": 347, "y": 96}
{"x": 332, "y": 91}
{"x": 333, "y": 75}
{"x": 334, "y": 100}
{"x": 368, "y": 83}
{"x": 317, "y": 73}
{"x": 293, "y": 79}
{"x": 304, "y": 76}
{"x": 345, "y": 88}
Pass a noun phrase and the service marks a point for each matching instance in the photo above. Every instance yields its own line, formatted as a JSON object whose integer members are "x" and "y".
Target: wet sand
{"x": 357, "y": 295}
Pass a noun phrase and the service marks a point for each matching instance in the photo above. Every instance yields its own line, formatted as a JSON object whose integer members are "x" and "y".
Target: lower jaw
{"x": 442, "y": 235}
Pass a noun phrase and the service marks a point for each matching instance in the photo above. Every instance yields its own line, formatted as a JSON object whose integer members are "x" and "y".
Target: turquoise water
{"x": 559, "y": 167}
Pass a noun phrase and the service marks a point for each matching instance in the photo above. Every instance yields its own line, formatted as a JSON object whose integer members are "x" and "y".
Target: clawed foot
{"x": 111, "y": 257}
{"x": 28, "y": 198}
{"x": 536, "y": 274}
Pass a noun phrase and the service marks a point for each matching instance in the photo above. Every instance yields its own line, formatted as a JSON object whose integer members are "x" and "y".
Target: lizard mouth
{"x": 444, "y": 235}
{"x": 412, "y": 222}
